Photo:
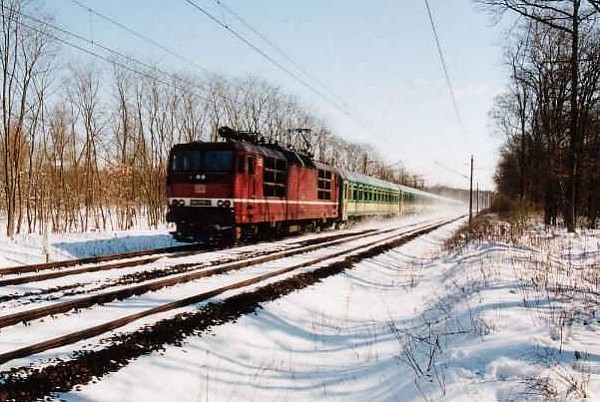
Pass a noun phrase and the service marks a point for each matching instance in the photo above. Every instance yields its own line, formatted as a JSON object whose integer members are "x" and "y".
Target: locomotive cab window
{"x": 186, "y": 161}
{"x": 217, "y": 161}
{"x": 202, "y": 161}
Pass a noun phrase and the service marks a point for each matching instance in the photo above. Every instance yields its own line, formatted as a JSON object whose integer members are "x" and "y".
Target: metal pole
{"x": 471, "y": 194}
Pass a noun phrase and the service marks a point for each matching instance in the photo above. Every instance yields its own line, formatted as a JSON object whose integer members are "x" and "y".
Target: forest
{"x": 550, "y": 113}
{"x": 84, "y": 146}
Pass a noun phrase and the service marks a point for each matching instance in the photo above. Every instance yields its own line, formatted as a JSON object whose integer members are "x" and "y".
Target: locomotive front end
{"x": 200, "y": 191}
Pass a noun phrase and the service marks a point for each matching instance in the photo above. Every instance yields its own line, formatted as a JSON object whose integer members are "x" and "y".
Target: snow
{"x": 29, "y": 248}
{"x": 487, "y": 321}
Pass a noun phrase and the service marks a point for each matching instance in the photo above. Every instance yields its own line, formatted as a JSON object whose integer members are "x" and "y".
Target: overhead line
{"x": 94, "y": 54}
{"x": 140, "y": 36}
{"x": 190, "y": 62}
{"x": 444, "y": 67}
{"x": 279, "y": 50}
{"x": 275, "y": 62}
{"x": 451, "y": 170}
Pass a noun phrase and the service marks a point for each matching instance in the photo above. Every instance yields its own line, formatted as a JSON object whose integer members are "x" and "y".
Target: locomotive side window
{"x": 246, "y": 164}
{"x": 275, "y": 177}
{"x": 323, "y": 184}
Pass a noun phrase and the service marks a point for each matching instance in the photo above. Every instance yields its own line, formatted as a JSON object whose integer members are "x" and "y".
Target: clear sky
{"x": 379, "y": 56}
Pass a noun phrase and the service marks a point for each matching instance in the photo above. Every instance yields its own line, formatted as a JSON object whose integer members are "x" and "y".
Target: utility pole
{"x": 471, "y": 194}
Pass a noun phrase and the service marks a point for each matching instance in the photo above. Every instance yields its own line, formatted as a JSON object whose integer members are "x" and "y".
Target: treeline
{"x": 85, "y": 147}
{"x": 550, "y": 115}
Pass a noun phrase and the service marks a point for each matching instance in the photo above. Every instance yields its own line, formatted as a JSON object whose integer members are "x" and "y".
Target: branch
{"x": 526, "y": 13}
{"x": 533, "y": 10}
{"x": 595, "y": 4}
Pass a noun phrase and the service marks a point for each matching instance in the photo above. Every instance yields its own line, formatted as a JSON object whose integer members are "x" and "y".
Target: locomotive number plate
{"x": 200, "y": 203}
{"x": 199, "y": 188}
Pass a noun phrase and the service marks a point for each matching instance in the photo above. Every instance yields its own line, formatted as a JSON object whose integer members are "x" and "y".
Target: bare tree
{"x": 567, "y": 16}
{"x": 22, "y": 59}
{"x": 84, "y": 95}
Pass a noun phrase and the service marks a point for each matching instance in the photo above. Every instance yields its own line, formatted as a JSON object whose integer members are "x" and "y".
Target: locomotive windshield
{"x": 202, "y": 161}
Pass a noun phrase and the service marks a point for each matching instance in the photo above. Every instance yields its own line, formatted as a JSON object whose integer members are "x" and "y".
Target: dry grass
{"x": 558, "y": 278}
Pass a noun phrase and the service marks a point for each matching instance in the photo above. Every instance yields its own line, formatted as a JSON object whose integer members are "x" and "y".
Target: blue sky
{"x": 379, "y": 56}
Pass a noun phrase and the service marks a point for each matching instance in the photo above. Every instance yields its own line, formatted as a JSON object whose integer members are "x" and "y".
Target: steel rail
{"x": 177, "y": 252}
{"x": 59, "y": 274}
{"x": 120, "y": 322}
{"x": 153, "y": 285}
{"x": 92, "y": 260}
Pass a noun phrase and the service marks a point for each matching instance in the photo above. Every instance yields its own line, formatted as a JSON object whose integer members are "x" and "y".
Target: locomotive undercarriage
{"x": 202, "y": 224}
{"x": 212, "y": 226}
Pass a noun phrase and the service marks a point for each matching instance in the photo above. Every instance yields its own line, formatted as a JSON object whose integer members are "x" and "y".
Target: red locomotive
{"x": 239, "y": 189}
{"x": 246, "y": 188}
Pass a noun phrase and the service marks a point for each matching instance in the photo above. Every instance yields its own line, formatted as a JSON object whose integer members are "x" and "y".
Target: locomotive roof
{"x": 270, "y": 151}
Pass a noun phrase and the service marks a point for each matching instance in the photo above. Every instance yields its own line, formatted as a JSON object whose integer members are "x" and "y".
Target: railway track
{"x": 21, "y": 269}
{"x": 14, "y": 275}
{"x": 267, "y": 270}
{"x": 19, "y": 291}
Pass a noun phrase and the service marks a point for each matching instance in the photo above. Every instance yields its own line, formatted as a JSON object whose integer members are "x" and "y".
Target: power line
{"x": 94, "y": 54}
{"x": 190, "y": 62}
{"x": 140, "y": 36}
{"x": 451, "y": 170}
{"x": 276, "y": 63}
{"x": 279, "y": 50}
{"x": 444, "y": 67}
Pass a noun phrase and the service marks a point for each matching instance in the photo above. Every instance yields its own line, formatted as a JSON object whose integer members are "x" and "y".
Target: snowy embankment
{"x": 486, "y": 320}
{"x": 32, "y": 248}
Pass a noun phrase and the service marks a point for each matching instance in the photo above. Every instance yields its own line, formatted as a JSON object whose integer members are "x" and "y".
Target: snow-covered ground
{"x": 488, "y": 320}
{"x": 32, "y": 248}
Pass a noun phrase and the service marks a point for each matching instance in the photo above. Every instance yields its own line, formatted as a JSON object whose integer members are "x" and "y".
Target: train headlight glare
{"x": 220, "y": 203}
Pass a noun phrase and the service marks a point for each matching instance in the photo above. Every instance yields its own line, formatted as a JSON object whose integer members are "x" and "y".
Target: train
{"x": 246, "y": 187}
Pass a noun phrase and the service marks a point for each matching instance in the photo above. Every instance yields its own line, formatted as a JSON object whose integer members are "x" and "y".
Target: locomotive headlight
{"x": 226, "y": 203}
{"x": 220, "y": 203}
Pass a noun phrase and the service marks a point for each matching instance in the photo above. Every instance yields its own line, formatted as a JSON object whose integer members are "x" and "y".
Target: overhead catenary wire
{"x": 147, "y": 74}
{"x": 173, "y": 53}
{"x": 279, "y": 50}
{"x": 451, "y": 170}
{"x": 444, "y": 67}
{"x": 281, "y": 67}
{"x": 140, "y": 36}
{"x": 104, "y": 48}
